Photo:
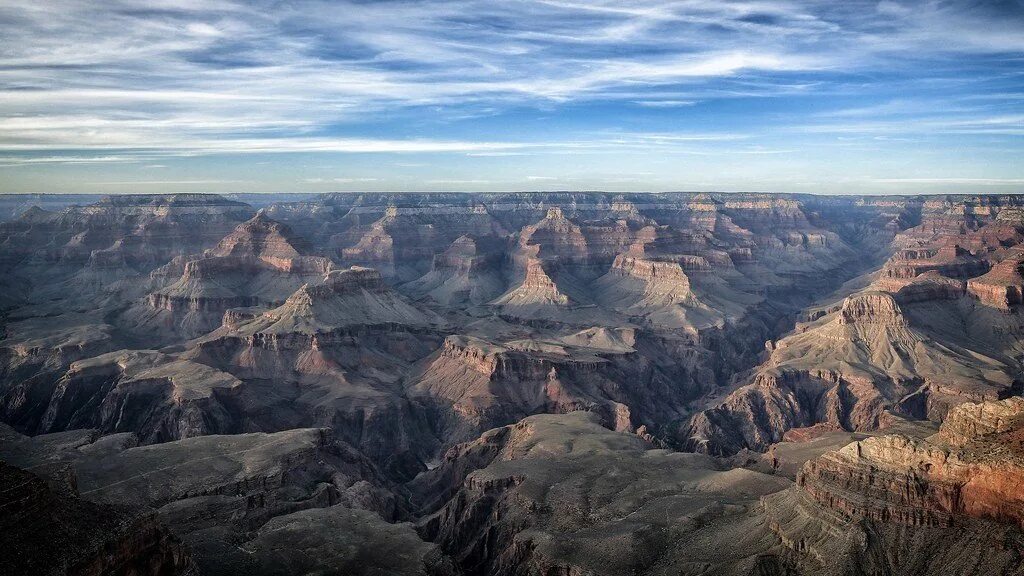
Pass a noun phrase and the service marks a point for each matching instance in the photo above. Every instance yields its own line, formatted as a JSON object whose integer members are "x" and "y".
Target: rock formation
{"x": 46, "y": 531}
{"x": 514, "y": 384}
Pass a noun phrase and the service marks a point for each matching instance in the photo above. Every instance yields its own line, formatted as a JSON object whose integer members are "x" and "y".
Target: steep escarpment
{"x": 560, "y": 494}
{"x": 658, "y": 292}
{"x": 536, "y": 294}
{"x": 850, "y": 367}
{"x": 153, "y": 395}
{"x": 260, "y": 263}
{"x": 49, "y": 531}
{"x": 900, "y": 504}
{"x": 332, "y": 355}
{"x": 474, "y": 384}
{"x": 1003, "y": 286}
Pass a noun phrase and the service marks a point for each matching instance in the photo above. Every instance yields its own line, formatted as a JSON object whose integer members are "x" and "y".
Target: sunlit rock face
{"x": 571, "y": 383}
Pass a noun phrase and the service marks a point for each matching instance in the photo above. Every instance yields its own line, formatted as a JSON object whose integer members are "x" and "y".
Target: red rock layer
{"x": 898, "y": 479}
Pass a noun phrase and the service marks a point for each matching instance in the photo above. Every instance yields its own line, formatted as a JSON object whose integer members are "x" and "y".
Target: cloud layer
{"x": 87, "y": 83}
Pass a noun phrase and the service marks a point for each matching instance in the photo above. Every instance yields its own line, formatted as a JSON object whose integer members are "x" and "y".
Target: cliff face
{"x": 44, "y": 531}
{"x": 917, "y": 344}
{"x": 155, "y": 396}
{"x": 260, "y": 263}
{"x": 534, "y": 294}
{"x": 474, "y": 384}
{"x": 560, "y": 494}
{"x": 1003, "y": 286}
{"x": 972, "y": 470}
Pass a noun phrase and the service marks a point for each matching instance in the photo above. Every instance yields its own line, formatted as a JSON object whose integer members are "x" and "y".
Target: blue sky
{"x": 120, "y": 96}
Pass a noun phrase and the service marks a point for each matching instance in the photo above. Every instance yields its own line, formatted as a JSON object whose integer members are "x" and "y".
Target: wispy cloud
{"x": 953, "y": 181}
{"x": 338, "y": 180}
{"x": 85, "y": 81}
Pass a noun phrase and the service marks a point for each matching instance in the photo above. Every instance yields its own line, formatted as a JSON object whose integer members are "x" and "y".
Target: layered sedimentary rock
{"x": 48, "y": 531}
{"x": 589, "y": 332}
{"x": 560, "y": 494}
{"x": 969, "y": 421}
{"x": 1003, "y": 286}
{"x": 467, "y": 272}
{"x": 331, "y": 355}
{"x": 535, "y": 294}
{"x": 403, "y": 240}
{"x": 658, "y": 292}
{"x": 474, "y": 384}
{"x": 259, "y": 264}
{"x": 848, "y": 368}
{"x": 972, "y": 470}
{"x": 343, "y": 298}
{"x": 155, "y": 396}
{"x": 90, "y": 248}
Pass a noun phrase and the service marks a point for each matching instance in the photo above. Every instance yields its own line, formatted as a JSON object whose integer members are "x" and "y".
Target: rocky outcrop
{"x": 474, "y": 384}
{"x": 659, "y": 292}
{"x": 536, "y": 292}
{"x": 259, "y": 264}
{"x": 155, "y": 396}
{"x": 559, "y": 494}
{"x": 930, "y": 287}
{"x": 48, "y": 531}
{"x": 468, "y": 272}
{"x": 353, "y": 297}
{"x": 871, "y": 308}
{"x": 331, "y": 355}
{"x": 1002, "y": 287}
{"x": 949, "y": 260}
{"x": 897, "y": 479}
{"x": 848, "y": 368}
{"x": 969, "y": 422}
{"x": 556, "y": 237}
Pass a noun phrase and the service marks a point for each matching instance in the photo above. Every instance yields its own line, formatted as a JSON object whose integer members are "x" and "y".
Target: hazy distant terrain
{"x": 522, "y": 383}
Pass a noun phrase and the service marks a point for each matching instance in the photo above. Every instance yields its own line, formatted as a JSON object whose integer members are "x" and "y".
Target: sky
{"x": 118, "y": 96}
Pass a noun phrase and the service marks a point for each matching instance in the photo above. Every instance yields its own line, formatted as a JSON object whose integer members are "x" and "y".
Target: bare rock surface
{"x": 562, "y": 494}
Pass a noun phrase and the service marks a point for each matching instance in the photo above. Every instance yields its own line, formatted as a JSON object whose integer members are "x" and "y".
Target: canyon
{"x": 512, "y": 384}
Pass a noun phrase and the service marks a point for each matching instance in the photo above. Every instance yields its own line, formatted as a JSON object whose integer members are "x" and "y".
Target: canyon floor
{"x": 512, "y": 384}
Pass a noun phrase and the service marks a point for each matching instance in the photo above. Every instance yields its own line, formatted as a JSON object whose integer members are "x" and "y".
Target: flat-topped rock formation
{"x": 474, "y": 384}
{"x": 155, "y": 396}
{"x": 343, "y": 298}
{"x": 659, "y": 292}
